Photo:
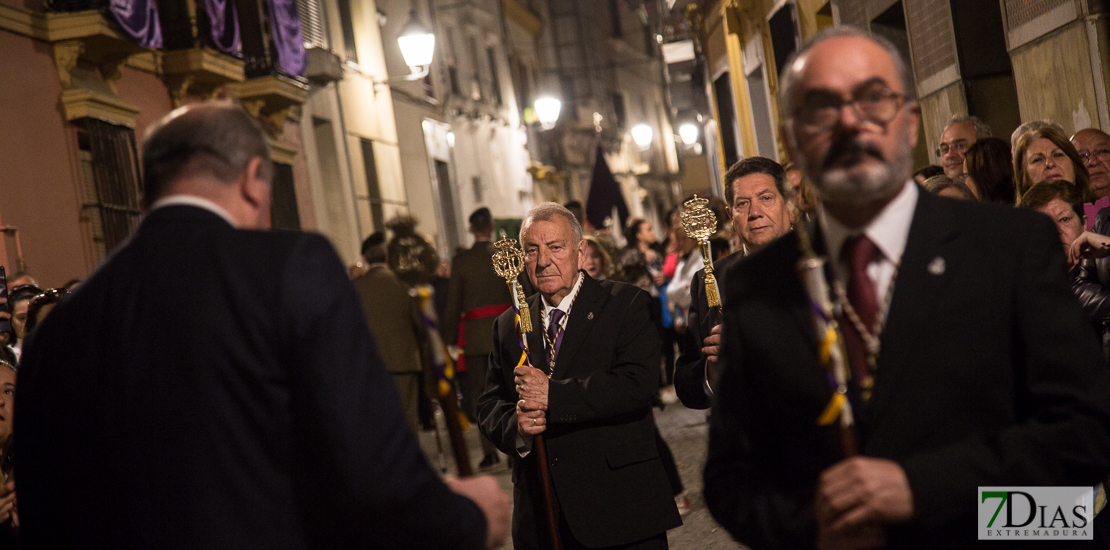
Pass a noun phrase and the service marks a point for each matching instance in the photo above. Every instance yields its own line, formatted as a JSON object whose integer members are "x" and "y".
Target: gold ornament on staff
{"x": 700, "y": 223}
{"x": 508, "y": 262}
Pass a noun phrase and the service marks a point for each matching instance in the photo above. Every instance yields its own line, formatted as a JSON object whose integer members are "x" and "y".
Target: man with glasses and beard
{"x": 969, "y": 361}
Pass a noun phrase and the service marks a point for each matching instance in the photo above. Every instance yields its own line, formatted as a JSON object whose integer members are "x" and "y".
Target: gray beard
{"x": 849, "y": 187}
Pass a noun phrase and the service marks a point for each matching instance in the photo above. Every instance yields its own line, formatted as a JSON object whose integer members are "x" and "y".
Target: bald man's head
{"x": 1093, "y": 146}
{"x": 215, "y": 140}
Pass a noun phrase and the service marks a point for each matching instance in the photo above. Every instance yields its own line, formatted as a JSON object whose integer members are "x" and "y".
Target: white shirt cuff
{"x": 523, "y": 444}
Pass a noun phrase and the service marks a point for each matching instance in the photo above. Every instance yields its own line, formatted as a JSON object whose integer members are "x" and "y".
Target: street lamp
{"x": 547, "y": 110}
{"x": 689, "y": 133}
{"x": 417, "y": 43}
{"x": 642, "y": 134}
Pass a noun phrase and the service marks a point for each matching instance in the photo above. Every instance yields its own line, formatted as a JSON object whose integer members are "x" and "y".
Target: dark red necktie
{"x": 858, "y": 252}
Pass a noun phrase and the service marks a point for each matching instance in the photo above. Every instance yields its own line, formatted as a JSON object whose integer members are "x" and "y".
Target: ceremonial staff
{"x": 831, "y": 353}
{"x": 415, "y": 261}
{"x": 700, "y": 223}
{"x": 508, "y": 262}
{"x": 444, "y": 388}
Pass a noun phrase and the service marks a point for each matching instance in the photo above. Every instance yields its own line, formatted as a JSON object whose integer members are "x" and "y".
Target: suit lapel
{"x": 586, "y": 307}
{"x": 924, "y": 270}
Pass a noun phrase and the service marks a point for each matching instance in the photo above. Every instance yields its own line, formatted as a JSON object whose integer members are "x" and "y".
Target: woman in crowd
{"x": 640, "y": 235}
{"x": 990, "y": 170}
{"x": 18, "y": 300}
{"x": 1046, "y": 154}
{"x": 42, "y": 305}
{"x": 9, "y": 517}
{"x": 1060, "y": 200}
{"x": 595, "y": 260}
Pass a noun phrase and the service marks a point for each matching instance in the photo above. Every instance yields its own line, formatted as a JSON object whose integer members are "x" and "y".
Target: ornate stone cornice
{"x": 270, "y": 99}
{"x": 83, "y": 103}
{"x": 199, "y": 71}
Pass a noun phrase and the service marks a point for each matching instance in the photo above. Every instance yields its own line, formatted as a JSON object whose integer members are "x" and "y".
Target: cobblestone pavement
{"x": 684, "y": 430}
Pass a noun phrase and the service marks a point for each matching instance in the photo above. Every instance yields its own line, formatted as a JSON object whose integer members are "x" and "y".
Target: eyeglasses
{"x": 1102, "y": 155}
{"x": 877, "y": 106}
{"x": 960, "y": 147}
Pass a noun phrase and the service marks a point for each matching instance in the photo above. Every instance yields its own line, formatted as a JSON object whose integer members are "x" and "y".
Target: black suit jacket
{"x": 689, "y": 370}
{"x": 608, "y": 478}
{"x": 215, "y": 388}
{"x": 988, "y": 376}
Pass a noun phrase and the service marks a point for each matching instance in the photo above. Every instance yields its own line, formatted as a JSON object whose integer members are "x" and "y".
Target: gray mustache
{"x": 851, "y": 147}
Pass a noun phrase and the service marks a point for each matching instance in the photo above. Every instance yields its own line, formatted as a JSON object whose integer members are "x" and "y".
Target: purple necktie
{"x": 554, "y": 337}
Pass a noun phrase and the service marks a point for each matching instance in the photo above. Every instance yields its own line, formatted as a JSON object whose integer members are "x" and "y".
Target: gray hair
{"x": 214, "y": 139}
{"x": 1032, "y": 126}
{"x": 936, "y": 184}
{"x": 789, "y": 78}
{"x": 546, "y": 212}
{"x": 982, "y": 130}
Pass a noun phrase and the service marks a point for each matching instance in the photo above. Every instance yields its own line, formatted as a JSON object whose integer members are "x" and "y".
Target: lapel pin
{"x": 936, "y": 267}
{"x": 590, "y": 317}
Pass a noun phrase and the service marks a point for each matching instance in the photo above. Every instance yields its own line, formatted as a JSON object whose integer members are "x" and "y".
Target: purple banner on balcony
{"x": 285, "y": 27}
{"x": 223, "y": 25}
{"x": 139, "y": 19}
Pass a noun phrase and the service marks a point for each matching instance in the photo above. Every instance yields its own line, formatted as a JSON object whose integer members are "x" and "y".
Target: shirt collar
{"x": 889, "y": 230}
{"x": 567, "y": 300}
{"x": 193, "y": 200}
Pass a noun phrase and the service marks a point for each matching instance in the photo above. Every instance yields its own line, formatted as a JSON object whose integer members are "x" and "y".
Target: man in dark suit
{"x": 761, "y": 211}
{"x": 475, "y": 298}
{"x": 984, "y": 373}
{"x": 592, "y": 403}
{"x": 394, "y": 320}
{"x": 215, "y": 386}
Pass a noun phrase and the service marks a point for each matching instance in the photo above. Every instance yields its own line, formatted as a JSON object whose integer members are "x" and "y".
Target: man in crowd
{"x": 970, "y": 382}
{"x": 1093, "y": 146}
{"x": 476, "y": 296}
{"x": 593, "y": 375}
{"x": 960, "y": 133}
{"x": 394, "y": 320}
{"x": 761, "y": 211}
{"x": 216, "y": 386}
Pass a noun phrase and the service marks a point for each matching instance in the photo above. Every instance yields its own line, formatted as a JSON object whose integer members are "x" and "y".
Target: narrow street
{"x": 685, "y": 430}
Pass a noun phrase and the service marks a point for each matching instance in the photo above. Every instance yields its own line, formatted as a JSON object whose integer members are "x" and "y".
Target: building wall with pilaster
{"x": 61, "y": 69}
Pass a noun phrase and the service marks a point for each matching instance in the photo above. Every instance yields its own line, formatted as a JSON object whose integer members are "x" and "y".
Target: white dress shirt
{"x": 889, "y": 231}
{"x": 564, "y": 305}
{"x": 524, "y": 441}
{"x": 193, "y": 200}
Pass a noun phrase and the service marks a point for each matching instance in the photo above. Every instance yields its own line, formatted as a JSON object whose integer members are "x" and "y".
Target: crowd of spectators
{"x": 1067, "y": 179}
{"x": 26, "y": 306}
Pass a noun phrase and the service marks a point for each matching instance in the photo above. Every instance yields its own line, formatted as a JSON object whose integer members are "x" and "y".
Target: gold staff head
{"x": 508, "y": 261}
{"x": 698, "y": 220}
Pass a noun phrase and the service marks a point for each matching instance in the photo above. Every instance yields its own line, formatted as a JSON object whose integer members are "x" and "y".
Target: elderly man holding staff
{"x": 595, "y": 368}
